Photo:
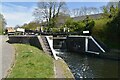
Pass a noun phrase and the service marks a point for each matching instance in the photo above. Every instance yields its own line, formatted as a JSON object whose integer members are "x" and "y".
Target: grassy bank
{"x": 31, "y": 62}
{"x": 0, "y": 33}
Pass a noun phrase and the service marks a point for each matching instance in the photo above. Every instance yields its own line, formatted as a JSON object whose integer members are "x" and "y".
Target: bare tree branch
{"x": 49, "y": 10}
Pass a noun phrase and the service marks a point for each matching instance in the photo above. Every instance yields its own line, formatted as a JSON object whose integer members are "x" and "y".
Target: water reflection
{"x": 83, "y": 66}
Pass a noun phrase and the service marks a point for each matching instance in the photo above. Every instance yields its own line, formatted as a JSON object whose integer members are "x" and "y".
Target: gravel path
{"x": 7, "y": 52}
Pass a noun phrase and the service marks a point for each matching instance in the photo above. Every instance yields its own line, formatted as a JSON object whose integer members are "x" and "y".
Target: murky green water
{"x": 84, "y": 66}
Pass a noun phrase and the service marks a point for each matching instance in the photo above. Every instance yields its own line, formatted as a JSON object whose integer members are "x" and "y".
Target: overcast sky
{"x": 18, "y": 13}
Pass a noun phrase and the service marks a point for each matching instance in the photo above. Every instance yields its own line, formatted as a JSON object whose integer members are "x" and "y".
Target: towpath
{"x": 7, "y": 55}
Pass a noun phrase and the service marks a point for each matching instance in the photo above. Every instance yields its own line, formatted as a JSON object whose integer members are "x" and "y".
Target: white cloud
{"x": 16, "y": 14}
{"x": 14, "y": 19}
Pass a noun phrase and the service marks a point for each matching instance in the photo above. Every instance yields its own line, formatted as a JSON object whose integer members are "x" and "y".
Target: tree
{"x": 49, "y": 11}
{"x": 76, "y": 12}
{"x": 74, "y": 26}
{"x": 94, "y": 10}
{"x": 113, "y": 31}
{"x": 105, "y": 10}
{"x": 90, "y": 10}
{"x": 110, "y": 10}
{"x": 61, "y": 19}
{"x": 2, "y": 23}
{"x": 32, "y": 25}
{"x": 84, "y": 10}
{"x": 89, "y": 24}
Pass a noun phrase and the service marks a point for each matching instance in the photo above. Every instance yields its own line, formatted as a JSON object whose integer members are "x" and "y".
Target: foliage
{"x": 74, "y": 26}
{"x": 2, "y": 23}
{"x": 31, "y": 63}
{"x": 89, "y": 24}
{"x": 110, "y": 11}
{"x": 1, "y": 29}
{"x": 31, "y": 25}
{"x": 79, "y": 26}
{"x": 108, "y": 30}
{"x": 55, "y": 30}
{"x": 113, "y": 30}
{"x": 106, "y": 12}
{"x": 99, "y": 28}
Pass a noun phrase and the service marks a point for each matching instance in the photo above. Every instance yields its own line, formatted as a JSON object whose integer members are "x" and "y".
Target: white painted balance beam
{"x": 50, "y": 42}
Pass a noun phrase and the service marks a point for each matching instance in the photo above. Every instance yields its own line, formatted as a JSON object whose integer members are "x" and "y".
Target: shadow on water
{"x": 91, "y": 66}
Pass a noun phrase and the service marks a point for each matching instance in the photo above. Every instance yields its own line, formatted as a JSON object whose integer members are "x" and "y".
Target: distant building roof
{"x": 93, "y": 16}
{"x": 10, "y": 29}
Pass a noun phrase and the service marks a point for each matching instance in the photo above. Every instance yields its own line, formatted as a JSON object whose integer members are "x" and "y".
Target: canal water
{"x": 85, "y": 66}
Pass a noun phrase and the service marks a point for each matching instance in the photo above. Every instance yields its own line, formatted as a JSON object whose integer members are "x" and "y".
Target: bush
{"x": 55, "y": 30}
{"x": 74, "y": 26}
{"x": 113, "y": 31}
{"x": 108, "y": 31}
{"x": 99, "y": 28}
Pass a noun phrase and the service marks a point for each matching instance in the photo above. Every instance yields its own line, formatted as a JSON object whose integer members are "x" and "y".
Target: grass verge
{"x": 0, "y": 32}
{"x": 31, "y": 62}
